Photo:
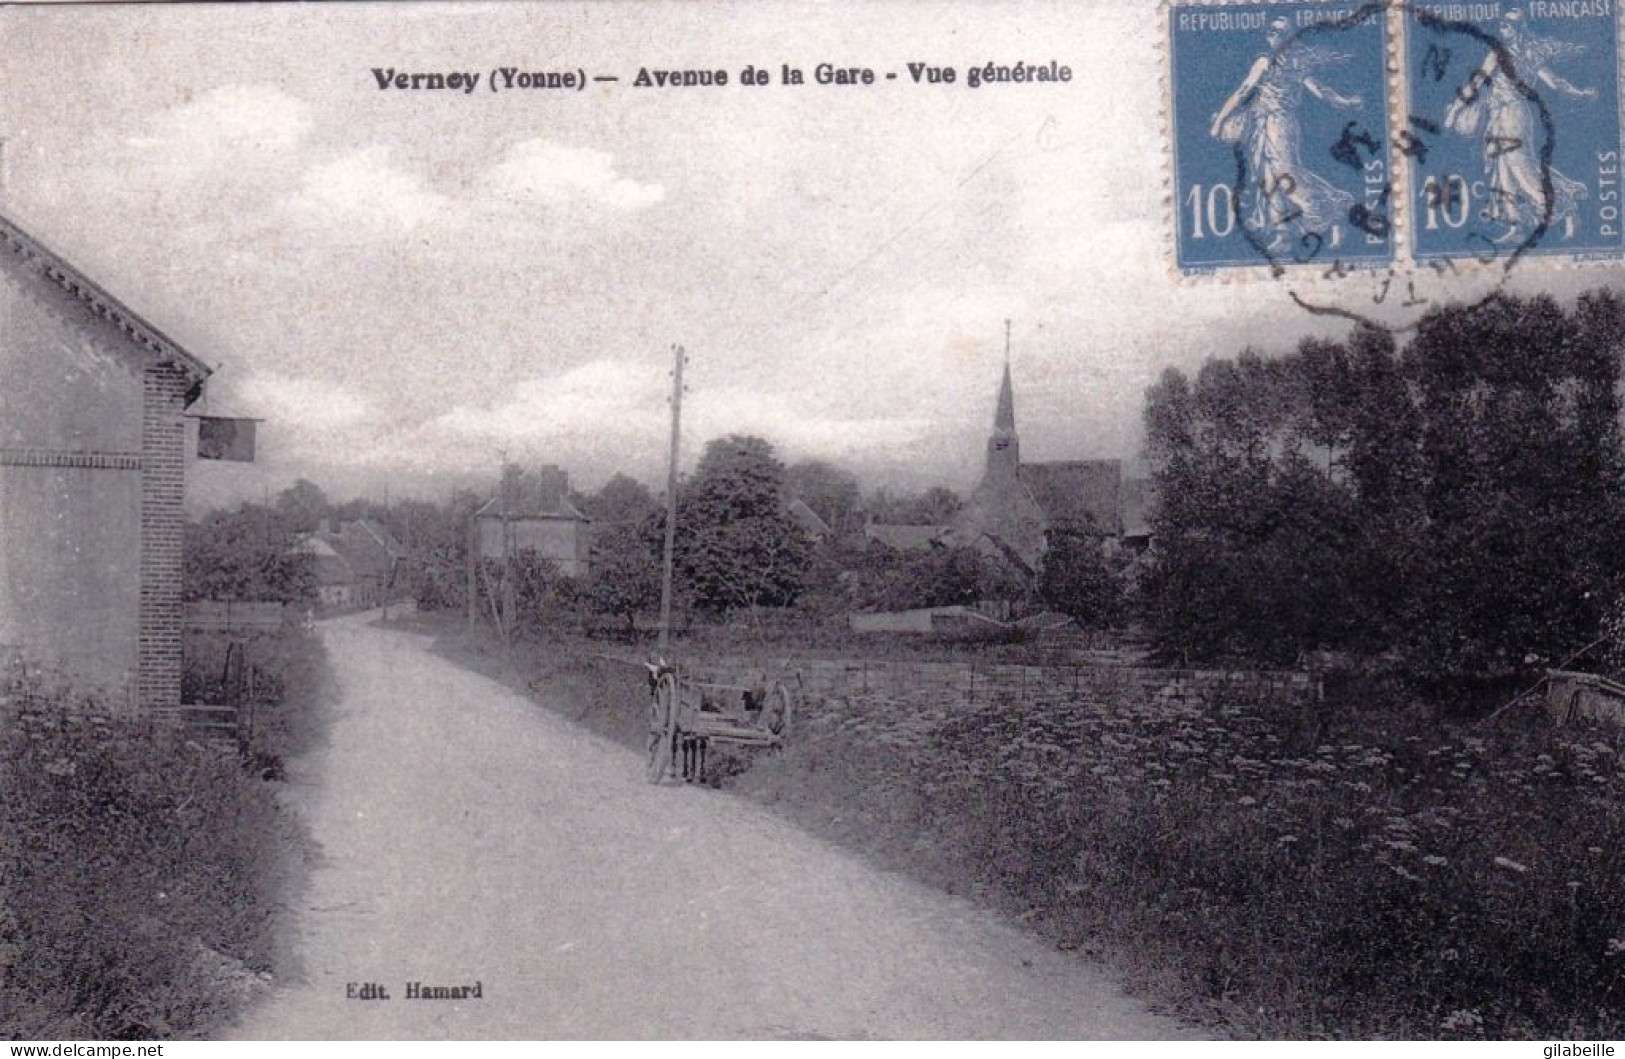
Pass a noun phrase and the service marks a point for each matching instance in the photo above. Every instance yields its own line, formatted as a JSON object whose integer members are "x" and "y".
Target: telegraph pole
{"x": 671, "y": 501}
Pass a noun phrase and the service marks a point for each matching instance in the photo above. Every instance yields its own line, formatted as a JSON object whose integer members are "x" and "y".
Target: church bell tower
{"x": 1003, "y": 445}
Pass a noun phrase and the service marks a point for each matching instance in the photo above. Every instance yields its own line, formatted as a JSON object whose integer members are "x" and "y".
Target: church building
{"x": 1016, "y": 504}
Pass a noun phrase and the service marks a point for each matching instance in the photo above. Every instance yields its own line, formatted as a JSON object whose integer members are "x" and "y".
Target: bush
{"x": 1323, "y": 874}
{"x": 139, "y": 877}
{"x": 281, "y": 695}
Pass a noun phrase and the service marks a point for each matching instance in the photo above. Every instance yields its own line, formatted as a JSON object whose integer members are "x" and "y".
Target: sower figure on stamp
{"x": 1498, "y": 104}
{"x": 1261, "y": 119}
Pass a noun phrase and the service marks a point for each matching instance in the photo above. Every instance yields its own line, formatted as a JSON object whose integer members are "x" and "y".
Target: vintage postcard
{"x": 812, "y": 521}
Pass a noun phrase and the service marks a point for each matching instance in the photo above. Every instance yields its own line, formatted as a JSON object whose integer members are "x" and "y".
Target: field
{"x": 1362, "y": 869}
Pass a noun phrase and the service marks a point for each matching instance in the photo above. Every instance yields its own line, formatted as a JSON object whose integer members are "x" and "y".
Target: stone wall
{"x": 978, "y": 682}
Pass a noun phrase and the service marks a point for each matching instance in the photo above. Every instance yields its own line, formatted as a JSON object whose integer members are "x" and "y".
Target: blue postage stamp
{"x": 1513, "y": 129}
{"x": 1282, "y": 151}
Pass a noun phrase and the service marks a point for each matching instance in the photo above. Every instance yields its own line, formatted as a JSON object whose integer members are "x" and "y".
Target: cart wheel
{"x": 777, "y": 714}
{"x": 662, "y": 727}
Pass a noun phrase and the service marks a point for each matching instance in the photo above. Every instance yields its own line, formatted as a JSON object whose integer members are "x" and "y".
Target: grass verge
{"x": 1361, "y": 870}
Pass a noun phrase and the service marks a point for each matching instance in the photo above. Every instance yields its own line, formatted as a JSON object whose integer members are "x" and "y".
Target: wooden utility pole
{"x": 671, "y": 501}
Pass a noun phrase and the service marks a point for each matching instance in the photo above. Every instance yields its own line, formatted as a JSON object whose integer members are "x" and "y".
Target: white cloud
{"x": 229, "y": 126}
{"x": 610, "y": 415}
{"x": 365, "y": 192}
{"x": 554, "y": 174}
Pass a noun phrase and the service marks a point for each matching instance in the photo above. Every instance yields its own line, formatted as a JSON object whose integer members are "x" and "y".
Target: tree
{"x": 735, "y": 545}
{"x": 303, "y": 505}
{"x": 832, "y": 492}
{"x": 935, "y": 507}
{"x": 621, "y": 501}
{"x": 625, "y": 578}
{"x": 1457, "y": 502}
{"x": 1077, "y": 579}
{"x": 245, "y": 555}
{"x": 1522, "y": 492}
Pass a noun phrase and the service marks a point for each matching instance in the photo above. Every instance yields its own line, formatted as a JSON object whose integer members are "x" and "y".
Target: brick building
{"x": 92, "y": 471}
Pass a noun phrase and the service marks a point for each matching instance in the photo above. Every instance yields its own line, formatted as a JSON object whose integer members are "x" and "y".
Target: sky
{"x": 407, "y": 285}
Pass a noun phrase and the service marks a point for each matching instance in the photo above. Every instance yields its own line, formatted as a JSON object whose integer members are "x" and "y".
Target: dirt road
{"x": 470, "y": 837}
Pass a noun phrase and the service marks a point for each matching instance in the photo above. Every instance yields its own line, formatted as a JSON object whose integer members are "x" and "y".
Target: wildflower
{"x": 1594, "y": 849}
{"x": 1511, "y": 865}
{"x": 1462, "y": 1019}
{"x": 1286, "y": 840}
{"x": 1435, "y": 861}
{"x": 1616, "y": 947}
{"x": 1246, "y": 799}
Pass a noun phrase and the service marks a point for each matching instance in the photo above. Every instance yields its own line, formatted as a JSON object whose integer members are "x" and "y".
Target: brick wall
{"x": 163, "y": 481}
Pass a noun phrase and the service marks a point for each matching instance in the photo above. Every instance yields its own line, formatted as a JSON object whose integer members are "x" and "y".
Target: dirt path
{"x": 470, "y": 836}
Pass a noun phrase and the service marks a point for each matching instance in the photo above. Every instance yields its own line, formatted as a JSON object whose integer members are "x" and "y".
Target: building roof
{"x": 559, "y": 509}
{"x": 18, "y": 247}
{"x": 366, "y": 545}
{"x": 806, "y": 518}
{"x": 1078, "y": 492}
{"x": 329, "y": 567}
{"x": 903, "y": 538}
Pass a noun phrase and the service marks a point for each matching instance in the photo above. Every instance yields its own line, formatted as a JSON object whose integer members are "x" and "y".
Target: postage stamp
{"x": 1281, "y": 135}
{"x": 1512, "y": 129}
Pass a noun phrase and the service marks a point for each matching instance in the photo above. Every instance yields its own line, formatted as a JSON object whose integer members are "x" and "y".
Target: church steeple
{"x": 1003, "y": 445}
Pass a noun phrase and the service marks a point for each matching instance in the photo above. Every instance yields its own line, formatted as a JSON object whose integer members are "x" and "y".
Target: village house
{"x": 354, "y": 563}
{"x": 334, "y": 576}
{"x": 533, "y": 512}
{"x": 92, "y": 472}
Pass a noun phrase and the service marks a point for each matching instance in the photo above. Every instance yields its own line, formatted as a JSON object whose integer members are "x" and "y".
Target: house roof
{"x": 329, "y": 567}
{"x": 1080, "y": 492}
{"x": 903, "y": 538}
{"x": 367, "y": 546}
{"x": 561, "y": 508}
{"x": 21, "y": 248}
{"x": 806, "y": 518}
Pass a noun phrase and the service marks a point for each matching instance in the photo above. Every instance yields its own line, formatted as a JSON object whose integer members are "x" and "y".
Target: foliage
{"x": 140, "y": 873}
{"x": 933, "y": 577}
{"x": 831, "y": 491}
{"x": 935, "y": 507}
{"x": 735, "y": 545}
{"x": 1078, "y": 580}
{"x": 1351, "y": 872}
{"x": 625, "y": 578}
{"x": 1456, "y": 502}
{"x": 286, "y": 678}
{"x": 436, "y": 539}
{"x": 622, "y": 501}
{"x": 302, "y": 506}
{"x": 245, "y": 555}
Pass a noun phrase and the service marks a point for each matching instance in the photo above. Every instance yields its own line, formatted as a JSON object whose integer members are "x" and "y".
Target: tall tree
{"x": 1457, "y": 501}
{"x": 832, "y": 492}
{"x": 735, "y": 545}
{"x": 303, "y": 505}
{"x": 621, "y": 501}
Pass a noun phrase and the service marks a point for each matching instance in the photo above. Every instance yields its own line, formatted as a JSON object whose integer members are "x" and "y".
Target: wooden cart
{"x": 687, "y": 716}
